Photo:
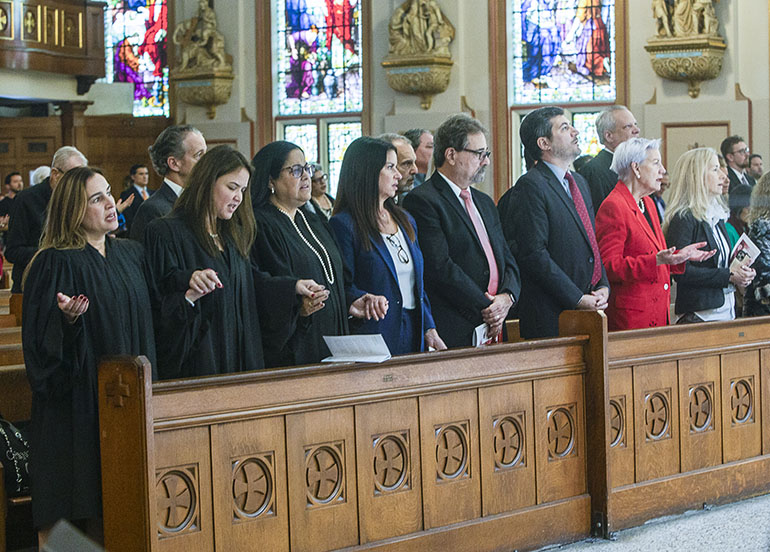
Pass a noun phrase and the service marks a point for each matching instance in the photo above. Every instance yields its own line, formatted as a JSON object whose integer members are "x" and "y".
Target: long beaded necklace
{"x": 328, "y": 272}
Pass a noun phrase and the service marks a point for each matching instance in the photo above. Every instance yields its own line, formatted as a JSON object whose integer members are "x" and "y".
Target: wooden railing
{"x": 463, "y": 450}
{"x": 510, "y": 447}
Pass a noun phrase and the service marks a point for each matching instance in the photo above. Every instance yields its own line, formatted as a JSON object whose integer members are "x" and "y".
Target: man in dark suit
{"x": 736, "y": 154}
{"x": 175, "y": 152}
{"x": 548, "y": 221}
{"x": 29, "y": 212}
{"x": 614, "y": 125}
{"x": 471, "y": 276}
{"x": 140, "y": 176}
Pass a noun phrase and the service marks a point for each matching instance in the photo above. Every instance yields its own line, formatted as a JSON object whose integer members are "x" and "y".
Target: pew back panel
{"x": 420, "y": 451}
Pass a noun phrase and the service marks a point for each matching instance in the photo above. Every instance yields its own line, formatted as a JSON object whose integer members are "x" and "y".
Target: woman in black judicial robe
{"x": 85, "y": 297}
{"x": 202, "y": 282}
{"x": 294, "y": 242}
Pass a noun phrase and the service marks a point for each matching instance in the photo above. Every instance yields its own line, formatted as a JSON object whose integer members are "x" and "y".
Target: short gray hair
{"x": 453, "y": 133}
{"x": 631, "y": 151}
{"x": 392, "y": 138}
{"x": 64, "y": 154}
{"x": 40, "y": 174}
{"x": 169, "y": 143}
{"x": 605, "y": 122}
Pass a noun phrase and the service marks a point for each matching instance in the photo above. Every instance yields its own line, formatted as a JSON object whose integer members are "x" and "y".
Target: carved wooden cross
{"x": 117, "y": 391}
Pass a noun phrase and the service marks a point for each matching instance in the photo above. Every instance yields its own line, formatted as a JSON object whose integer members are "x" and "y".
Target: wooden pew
{"x": 461, "y": 450}
{"x": 16, "y": 406}
{"x": 686, "y": 412}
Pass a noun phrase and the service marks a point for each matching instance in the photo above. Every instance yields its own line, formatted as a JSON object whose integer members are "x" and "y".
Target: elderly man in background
{"x": 407, "y": 165}
{"x": 174, "y": 154}
{"x": 614, "y": 125}
{"x": 29, "y": 212}
{"x": 470, "y": 274}
{"x": 422, "y": 142}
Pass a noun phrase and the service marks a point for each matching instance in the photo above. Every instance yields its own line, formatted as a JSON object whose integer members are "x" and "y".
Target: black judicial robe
{"x": 280, "y": 251}
{"x": 61, "y": 361}
{"x": 221, "y": 333}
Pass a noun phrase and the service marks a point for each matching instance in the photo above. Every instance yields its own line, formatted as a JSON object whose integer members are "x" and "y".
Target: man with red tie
{"x": 471, "y": 276}
{"x": 548, "y": 221}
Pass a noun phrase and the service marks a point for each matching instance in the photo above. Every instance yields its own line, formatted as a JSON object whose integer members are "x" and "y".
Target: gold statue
{"x": 660, "y": 13}
{"x": 419, "y": 28}
{"x": 202, "y": 46}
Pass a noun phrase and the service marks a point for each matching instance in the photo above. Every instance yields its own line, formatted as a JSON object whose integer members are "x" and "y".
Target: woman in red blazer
{"x": 631, "y": 242}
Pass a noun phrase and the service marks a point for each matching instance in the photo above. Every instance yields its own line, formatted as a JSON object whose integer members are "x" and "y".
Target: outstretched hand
{"x": 72, "y": 307}
{"x": 691, "y": 252}
{"x": 123, "y": 204}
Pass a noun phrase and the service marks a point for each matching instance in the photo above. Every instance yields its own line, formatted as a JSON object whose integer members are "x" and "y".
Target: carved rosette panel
{"x": 391, "y": 462}
{"x": 30, "y": 23}
{"x": 325, "y": 474}
{"x": 742, "y": 400}
{"x": 618, "y": 421}
{"x": 253, "y": 485}
{"x": 562, "y": 431}
{"x": 176, "y": 490}
{"x": 657, "y": 414}
{"x": 7, "y": 23}
{"x": 452, "y": 452}
{"x": 509, "y": 442}
{"x": 701, "y": 407}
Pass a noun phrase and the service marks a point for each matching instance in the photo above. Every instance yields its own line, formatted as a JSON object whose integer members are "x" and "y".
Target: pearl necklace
{"x": 328, "y": 272}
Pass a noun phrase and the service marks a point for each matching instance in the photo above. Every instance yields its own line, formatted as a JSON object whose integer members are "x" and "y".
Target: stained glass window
{"x": 135, "y": 51}
{"x": 562, "y": 51}
{"x": 319, "y": 56}
{"x": 585, "y": 123}
{"x": 306, "y": 137}
{"x": 339, "y": 136}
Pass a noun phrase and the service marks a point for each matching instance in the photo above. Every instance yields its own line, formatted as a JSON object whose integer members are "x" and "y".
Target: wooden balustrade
{"x": 463, "y": 450}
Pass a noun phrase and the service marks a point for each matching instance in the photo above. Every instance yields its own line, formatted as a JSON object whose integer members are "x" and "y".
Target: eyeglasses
{"x": 322, "y": 177}
{"x": 480, "y": 153}
{"x": 296, "y": 170}
{"x": 395, "y": 243}
{"x": 742, "y": 150}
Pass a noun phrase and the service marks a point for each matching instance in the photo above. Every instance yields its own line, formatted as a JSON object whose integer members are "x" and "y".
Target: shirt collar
{"x": 454, "y": 187}
{"x": 176, "y": 188}
{"x": 558, "y": 171}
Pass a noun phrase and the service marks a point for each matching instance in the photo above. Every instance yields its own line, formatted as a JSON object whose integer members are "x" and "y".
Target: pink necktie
{"x": 484, "y": 239}
{"x": 580, "y": 207}
{"x": 144, "y": 194}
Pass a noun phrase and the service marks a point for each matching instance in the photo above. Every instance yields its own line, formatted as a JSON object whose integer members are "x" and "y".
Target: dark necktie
{"x": 582, "y": 212}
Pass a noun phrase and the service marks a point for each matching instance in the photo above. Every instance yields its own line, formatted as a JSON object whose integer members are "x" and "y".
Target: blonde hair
{"x": 760, "y": 199}
{"x": 688, "y": 185}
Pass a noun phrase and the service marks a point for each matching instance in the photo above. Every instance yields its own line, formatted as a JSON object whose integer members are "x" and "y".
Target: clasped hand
{"x": 742, "y": 277}
{"x": 313, "y": 296}
{"x": 596, "y": 300}
{"x": 494, "y": 315}
{"x": 369, "y": 306}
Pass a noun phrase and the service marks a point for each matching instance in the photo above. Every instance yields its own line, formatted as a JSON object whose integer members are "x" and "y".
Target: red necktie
{"x": 484, "y": 239}
{"x": 580, "y": 207}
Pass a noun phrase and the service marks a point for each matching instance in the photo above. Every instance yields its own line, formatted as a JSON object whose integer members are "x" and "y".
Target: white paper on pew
{"x": 357, "y": 348}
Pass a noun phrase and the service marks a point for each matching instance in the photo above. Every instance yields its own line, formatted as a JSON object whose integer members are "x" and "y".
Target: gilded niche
{"x": 419, "y": 61}
{"x": 204, "y": 71}
{"x": 687, "y": 45}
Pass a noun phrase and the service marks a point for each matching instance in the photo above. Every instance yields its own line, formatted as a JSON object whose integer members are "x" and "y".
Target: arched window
{"x": 135, "y": 34}
{"x": 317, "y": 76}
{"x": 569, "y": 53}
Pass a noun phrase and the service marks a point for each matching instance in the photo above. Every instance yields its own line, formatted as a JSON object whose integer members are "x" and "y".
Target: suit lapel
{"x": 560, "y": 192}
{"x": 382, "y": 249}
{"x": 454, "y": 204}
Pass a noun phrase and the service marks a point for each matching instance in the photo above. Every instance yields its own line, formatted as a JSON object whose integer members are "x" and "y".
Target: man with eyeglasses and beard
{"x": 736, "y": 154}
{"x": 548, "y": 220}
{"x": 471, "y": 276}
